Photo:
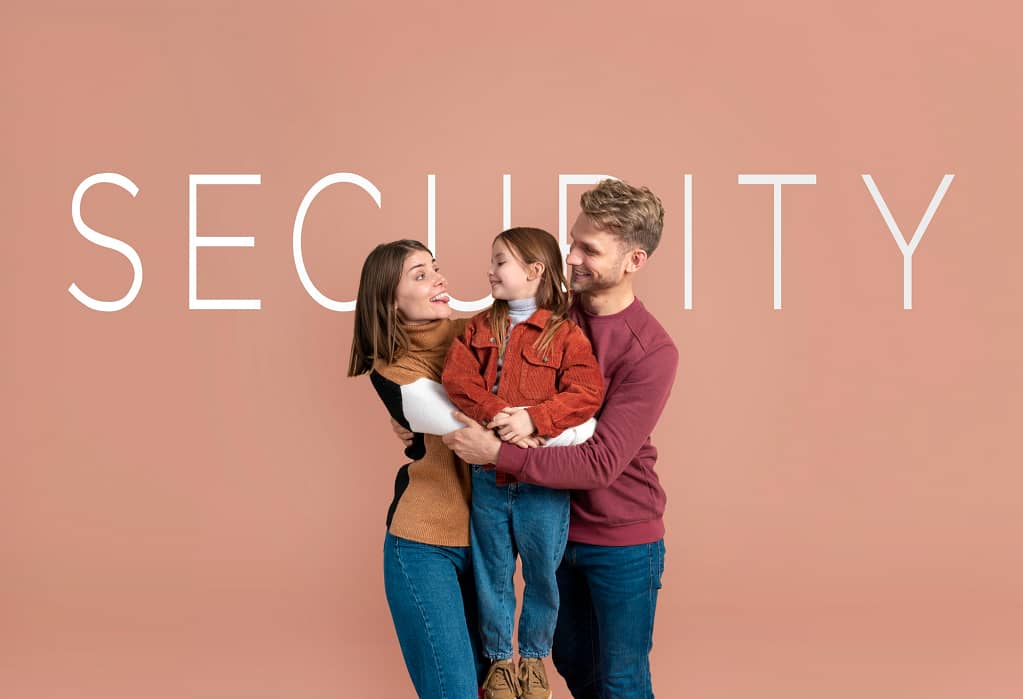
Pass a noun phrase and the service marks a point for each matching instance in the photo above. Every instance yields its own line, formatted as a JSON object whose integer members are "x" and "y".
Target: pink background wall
{"x": 192, "y": 502}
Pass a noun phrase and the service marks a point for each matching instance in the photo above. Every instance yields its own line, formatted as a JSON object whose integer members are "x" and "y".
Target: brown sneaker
{"x": 501, "y": 682}
{"x": 533, "y": 679}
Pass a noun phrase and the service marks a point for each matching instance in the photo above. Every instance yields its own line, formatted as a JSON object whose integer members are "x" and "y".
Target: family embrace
{"x": 528, "y": 432}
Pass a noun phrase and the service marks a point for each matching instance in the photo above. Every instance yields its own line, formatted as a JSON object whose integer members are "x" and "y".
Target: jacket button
{"x": 491, "y": 339}
{"x": 545, "y": 360}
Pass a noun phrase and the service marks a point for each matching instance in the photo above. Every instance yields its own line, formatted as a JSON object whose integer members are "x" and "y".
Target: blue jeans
{"x": 606, "y": 622}
{"x": 432, "y": 598}
{"x": 533, "y": 522}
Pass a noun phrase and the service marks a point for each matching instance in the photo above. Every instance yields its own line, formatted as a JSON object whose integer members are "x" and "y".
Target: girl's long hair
{"x": 378, "y": 334}
{"x": 531, "y": 245}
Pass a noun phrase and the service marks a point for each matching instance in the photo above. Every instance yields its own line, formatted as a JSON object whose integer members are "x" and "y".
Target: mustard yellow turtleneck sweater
{"x": 431, "y": 493}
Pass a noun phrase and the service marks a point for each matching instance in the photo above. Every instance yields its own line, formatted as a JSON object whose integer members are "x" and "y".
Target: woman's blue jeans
{"x": 523, "y": 519}
{"x": 431, "y": 593}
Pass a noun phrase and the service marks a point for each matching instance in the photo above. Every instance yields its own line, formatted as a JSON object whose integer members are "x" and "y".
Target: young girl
{"x": 523, "y": 351}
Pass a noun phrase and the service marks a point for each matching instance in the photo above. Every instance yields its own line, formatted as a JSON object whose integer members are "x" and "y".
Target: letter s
{"x": 107, "y": 242}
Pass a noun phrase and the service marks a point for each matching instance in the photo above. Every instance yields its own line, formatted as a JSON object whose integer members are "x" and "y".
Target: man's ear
{"x": 635, "y": 260}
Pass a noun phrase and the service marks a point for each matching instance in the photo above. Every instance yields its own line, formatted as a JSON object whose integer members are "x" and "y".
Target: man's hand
{"x": 404, "y": 435}
{"x": 513, "y": 424}
{"x": 473, "y": 443}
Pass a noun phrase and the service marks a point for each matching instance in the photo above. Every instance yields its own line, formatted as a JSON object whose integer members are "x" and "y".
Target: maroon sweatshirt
{"x": 617, "y": 499}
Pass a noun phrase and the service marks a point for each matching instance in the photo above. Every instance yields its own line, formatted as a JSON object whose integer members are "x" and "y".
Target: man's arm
{"x": 630, "y": 412}
{"x": 401, "y": 433}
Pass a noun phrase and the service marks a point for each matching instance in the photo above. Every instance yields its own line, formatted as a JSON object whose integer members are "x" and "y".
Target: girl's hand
{"x": 513, "y": 424}
{"x": 529, "y": 442}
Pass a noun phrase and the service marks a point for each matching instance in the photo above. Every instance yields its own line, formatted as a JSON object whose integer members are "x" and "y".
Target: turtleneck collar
{"x": 520, "y": 309}
{"x": 426, "y": 335}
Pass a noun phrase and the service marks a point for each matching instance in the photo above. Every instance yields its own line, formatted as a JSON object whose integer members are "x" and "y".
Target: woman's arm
{"x": 427, "y": 407}
{"x": 390, "y": 393}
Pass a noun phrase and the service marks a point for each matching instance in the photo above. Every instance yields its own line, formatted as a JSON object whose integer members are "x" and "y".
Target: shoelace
{"x": 532, "y": 675}
{"x": 507, "y": 674}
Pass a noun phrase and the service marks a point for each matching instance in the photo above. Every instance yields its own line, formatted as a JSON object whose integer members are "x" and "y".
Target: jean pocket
{"x": 657, "y": 562}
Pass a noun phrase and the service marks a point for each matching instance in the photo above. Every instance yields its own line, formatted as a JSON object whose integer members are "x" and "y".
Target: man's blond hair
{"x": 633, "y": 214}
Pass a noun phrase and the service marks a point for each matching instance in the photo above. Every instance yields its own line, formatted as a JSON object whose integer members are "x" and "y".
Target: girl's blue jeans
{"x": 525, "y": 520}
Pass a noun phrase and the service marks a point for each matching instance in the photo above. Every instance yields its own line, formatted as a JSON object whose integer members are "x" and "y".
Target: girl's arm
{"x": 626, "y": 422}
{"x": 580, "y": 387}
{"x": 464, "y": 384}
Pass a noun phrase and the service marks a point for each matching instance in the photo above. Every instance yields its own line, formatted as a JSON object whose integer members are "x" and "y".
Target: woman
{"x": 403, "y": 328}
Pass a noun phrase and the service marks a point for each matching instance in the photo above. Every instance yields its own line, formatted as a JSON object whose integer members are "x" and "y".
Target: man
{"x": 611, "y": 571}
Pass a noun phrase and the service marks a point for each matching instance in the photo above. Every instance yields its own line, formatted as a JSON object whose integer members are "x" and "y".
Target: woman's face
{"x": 421, "y": 295}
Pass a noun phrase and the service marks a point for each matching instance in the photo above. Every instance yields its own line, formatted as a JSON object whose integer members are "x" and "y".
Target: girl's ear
{"x": 535, "y": 271}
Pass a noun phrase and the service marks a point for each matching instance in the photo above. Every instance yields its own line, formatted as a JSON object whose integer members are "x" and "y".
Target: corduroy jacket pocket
{"x": 539, "y": 379}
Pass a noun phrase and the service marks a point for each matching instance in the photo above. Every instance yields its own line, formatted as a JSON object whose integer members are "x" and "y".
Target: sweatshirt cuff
{"x": 511, "y": 459}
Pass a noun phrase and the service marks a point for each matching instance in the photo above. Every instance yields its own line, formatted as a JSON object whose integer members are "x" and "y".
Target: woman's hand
{"x": 513, "y": 424}
{"x": 404, "y": 435}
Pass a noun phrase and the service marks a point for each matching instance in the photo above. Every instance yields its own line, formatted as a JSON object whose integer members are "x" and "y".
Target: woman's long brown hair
{"x": 378, "y": 334}
{"x": 531, "y": 245}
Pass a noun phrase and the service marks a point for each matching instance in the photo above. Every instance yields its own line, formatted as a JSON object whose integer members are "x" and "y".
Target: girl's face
{"x": 510, "y": 279}
{"x": 421, "y": 295}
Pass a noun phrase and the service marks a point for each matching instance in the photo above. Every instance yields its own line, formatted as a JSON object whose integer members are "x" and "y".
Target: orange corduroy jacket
{"x": 562, "y": 386}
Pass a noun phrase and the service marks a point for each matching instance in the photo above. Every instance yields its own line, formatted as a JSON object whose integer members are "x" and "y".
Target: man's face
{"x": 597, "y": 257}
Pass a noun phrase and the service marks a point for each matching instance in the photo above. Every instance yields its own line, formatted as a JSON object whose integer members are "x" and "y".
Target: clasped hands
{"x": 514, "y": 425}
{"x": 479, "y": 444}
